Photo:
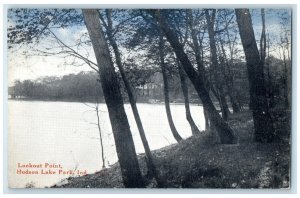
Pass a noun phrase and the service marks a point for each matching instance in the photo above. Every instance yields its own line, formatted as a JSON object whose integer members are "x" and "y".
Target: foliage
{"x": 198, "y": 161}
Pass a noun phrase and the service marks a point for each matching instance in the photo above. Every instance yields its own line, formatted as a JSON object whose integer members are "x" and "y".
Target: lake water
{"x": 64, "y": 133}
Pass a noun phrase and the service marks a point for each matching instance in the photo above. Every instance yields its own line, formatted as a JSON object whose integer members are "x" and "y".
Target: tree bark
{"x": 224, "y": 131}
{"x": 263, "y": 125}
{"x": 132, "y": 100}
{"x": 130, "y": 170}
{"x": 185, "y": 92}
{"x": 174, "y": 131}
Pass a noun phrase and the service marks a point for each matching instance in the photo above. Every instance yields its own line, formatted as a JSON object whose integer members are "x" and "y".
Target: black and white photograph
{"x": 159, "y": 98}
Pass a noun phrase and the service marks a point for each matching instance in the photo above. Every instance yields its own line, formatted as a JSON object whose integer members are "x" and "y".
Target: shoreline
{"x": 91, "y": 101}
{"x": 200, "y": 162}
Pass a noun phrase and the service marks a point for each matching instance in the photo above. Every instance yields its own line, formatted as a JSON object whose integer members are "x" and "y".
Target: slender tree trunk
{"x": 263, "y": 125}
{"x": 228, "y": 78}
{"x": 234, "y": 101}
{"x": 132, "y": 100}
{"x": 263, "y": 40}
{"x": 269, "y": 87}
{"x": 224, "y": 106}
{"x": 130, "y": 170}
{"x": 224, "y": 131}
{"x": 207, "y": 123}
{"x": 174, "y": 131}
{"x": 185, "y": 92}
{"x": 196, "y": 45}
{"x": 218, "y": 77}
{"x": 100, "y": 134}
{"x": 235, "y": 106}
{"x": 285, "y": 70}
{"x": 197, "y": 48}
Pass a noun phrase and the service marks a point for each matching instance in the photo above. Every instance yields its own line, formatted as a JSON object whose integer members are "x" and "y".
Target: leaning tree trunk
{"x": 174, "y": 131}
{"x": 224, "y": 131}
{"x": 130, "y": 170}
{"x": 132, "y": 100}
{"x": 263, "y": 125}
{"x": 218, "y": 77}
{"x": 185, "y": 92}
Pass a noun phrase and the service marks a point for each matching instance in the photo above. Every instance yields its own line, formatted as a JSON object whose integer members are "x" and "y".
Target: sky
{"x": 21, "y": 67}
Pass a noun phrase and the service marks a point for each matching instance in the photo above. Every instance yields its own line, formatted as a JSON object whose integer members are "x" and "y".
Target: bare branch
{"x": 89, "y": 62}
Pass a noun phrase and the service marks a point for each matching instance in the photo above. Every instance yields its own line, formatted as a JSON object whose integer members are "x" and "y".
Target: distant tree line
{"x": 81, "y": 87}
{"x": 85, "y": 86}
{"x": 210, "y": 55}
{"x": 148, "y": 84}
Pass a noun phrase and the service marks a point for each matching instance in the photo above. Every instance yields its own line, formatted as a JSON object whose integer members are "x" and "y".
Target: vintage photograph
{"x": 196, "y": 98}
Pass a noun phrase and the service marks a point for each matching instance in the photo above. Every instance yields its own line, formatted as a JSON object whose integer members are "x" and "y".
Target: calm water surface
{"x": 65, "y": 133}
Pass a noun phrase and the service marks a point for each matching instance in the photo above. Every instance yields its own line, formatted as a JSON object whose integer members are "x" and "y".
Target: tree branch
{"x": 89, "y": 62}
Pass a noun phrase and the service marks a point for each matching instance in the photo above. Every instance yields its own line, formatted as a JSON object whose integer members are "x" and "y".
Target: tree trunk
{"x": 285, "y": 82}
{"x": 130, "y": 170}
{"x": 199, "y": 60}
{"x": 235, "y": 106}
{"x": 263, "y": 125}
{"x": 207, "y": 123}
{"x": 269, "y": 87}
{"x": 185, "y": 92}
{"x": 228, "y": 78}
{"x": 218, "y": 77}
{"x": 100, "y": 135}
{"x": 174, "y": 131}
{"x": 224, "y": 131}
{"x": 132, "y": 100}
{"x": 223, "y": 104}
{"x": 263, "y": 40}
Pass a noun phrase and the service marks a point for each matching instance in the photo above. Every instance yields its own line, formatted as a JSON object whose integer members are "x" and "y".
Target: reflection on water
{"x": 65, "y": 133}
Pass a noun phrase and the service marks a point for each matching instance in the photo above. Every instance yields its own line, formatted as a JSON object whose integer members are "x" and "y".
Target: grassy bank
{"x": 201, "y": 162}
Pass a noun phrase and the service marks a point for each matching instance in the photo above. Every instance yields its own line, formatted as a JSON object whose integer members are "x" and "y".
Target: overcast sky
{"x": 21, "y": 67}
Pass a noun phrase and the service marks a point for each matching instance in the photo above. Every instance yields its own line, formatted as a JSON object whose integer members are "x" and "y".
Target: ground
{"x": 201, "y": 162}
